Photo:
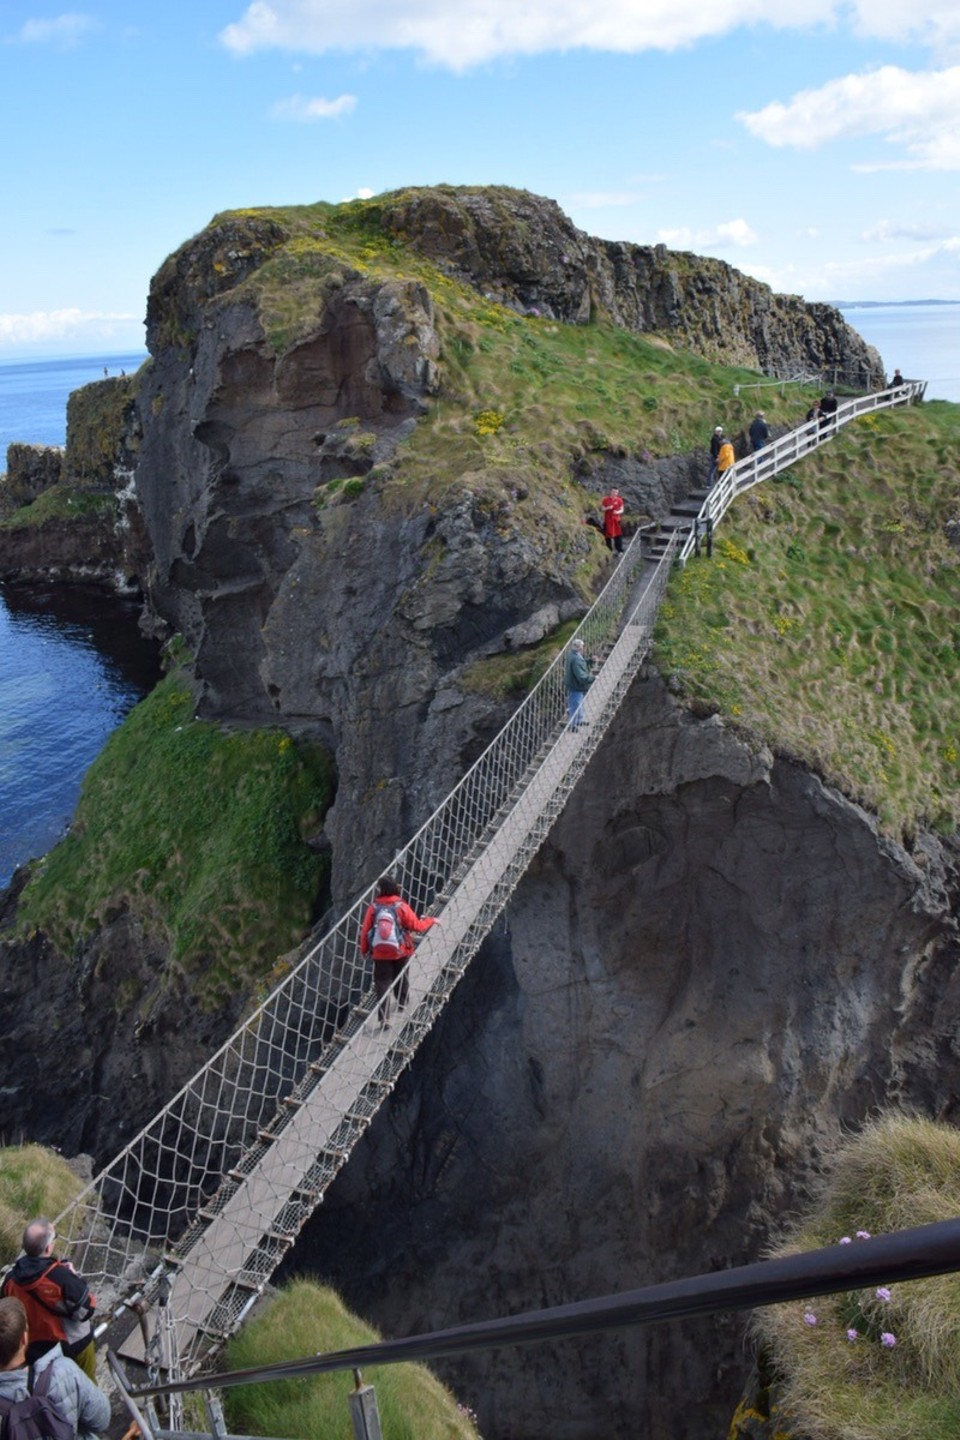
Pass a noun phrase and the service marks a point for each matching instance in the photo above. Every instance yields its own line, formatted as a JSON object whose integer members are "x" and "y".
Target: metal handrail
{"x": 785, "y": 451}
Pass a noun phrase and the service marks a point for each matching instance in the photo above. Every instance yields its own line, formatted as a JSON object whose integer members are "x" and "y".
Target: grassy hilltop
{"x": 828, "y": 622}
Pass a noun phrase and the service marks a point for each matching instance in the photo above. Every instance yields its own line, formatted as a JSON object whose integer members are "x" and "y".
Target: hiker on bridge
{"x": 577, "y": 679}
{"x": 82, "y": 1409}
{"x": 612, "y": 507}
{"x": 57, "y": 1300}
{"x": 387, "y": 936}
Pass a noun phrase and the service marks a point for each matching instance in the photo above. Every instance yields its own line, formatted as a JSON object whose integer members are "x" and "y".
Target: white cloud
{"x": 304, "y": 109}
{"x": 64, "y": 31}
{"x": 904, "y": 230}
{"x": 917, "y": 110}
{"x": 936, "y": 23}
{"x": 474, "y": 31}
{"x": 915, "y": 273}
{"x": 362, "y": 194}
{"x": 723, "y": 236}
{"x": 73, "y": 324}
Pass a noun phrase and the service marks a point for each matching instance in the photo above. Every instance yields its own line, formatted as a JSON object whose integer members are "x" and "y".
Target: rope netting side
{"x": 124, "y": 1223}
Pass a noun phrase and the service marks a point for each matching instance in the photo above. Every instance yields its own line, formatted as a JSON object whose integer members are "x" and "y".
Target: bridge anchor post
{"x": 364, "y": 1414}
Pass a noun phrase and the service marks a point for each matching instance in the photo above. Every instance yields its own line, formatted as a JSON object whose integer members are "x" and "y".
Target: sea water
{"x": 922, "y": 341}
{"x": 72, "y": 659}
{"x": 72, "y": 662}
{"x": 33, "y": 395}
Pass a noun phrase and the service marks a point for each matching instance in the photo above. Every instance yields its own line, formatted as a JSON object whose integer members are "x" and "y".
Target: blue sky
{"x": 815, "y": 145}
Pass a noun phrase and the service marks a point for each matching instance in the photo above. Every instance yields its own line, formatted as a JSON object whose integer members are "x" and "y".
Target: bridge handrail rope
{"x": 779, "y": 454}
{"x": 215, "y": 1189}
{"x": 138, "y": 1216}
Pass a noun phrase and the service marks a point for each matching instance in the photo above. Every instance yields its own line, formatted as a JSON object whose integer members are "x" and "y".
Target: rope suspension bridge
{"x": 194, "y": 1215}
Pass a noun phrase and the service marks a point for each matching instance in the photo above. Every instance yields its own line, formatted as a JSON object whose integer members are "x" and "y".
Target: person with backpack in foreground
{"x": 386, "y": 936}
{"x": 52, "y": 1398}
{"x": 57, "y": 1300}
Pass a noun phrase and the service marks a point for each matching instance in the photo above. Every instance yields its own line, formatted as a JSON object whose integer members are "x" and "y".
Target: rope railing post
{"x": 364, "y": 1412}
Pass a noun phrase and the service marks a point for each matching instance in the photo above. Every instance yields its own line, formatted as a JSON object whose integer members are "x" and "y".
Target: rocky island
{"x": 351, "y": 483}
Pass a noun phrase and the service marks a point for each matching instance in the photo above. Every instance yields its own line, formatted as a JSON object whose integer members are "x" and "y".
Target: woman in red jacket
{"x": 612, "y": 507}
{"x": 386, "y": 936}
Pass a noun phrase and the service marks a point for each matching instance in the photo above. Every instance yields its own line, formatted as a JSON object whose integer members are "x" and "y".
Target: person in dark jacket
{"x": 57, "y": 1300}
{"x": 577, "y": 679}
{"x": 79, "y": 1401}
{"x": 759, "y": 431}
{"x": 828, "y": 408}
{"x": 390, "y": 959}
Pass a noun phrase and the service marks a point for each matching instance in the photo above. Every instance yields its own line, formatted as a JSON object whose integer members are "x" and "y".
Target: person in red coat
{"x": 612, "y": 507}
{"x": 386, "y": 935}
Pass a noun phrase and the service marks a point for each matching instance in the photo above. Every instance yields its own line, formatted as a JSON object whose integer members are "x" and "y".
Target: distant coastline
{"x": 884, "y": 304}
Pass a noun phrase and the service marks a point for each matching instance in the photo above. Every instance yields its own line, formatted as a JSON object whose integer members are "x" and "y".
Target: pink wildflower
{"x": 853, "y": 1334}
{"x": 883, "y": 1293}
{"x": 845, "y": 1240}
{"x": 887, "y": 1340}
{"x": 809, "y": 1318}
{"x": 863, "y": 1234}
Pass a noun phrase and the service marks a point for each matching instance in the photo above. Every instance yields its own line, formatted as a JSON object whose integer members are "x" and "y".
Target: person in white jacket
{"x": 79, "y": 1401}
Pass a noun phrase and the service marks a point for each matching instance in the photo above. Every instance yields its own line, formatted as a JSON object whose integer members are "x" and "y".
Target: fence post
{"x": 709, "y": 537}
{"x": 364, "y": 1415}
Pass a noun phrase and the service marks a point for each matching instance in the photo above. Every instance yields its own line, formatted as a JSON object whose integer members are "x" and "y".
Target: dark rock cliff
{"x": 713, "y": 965}
{"x": 714, "y": 962}
{"x": 522, "y": 250}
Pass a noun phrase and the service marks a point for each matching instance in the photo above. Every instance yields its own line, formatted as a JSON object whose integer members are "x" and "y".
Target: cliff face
{"x": 72, "y": 514}
{"x": 714, "y": 965}
{"x": 259, "y": 477}
{"x": 522, "y": 250}
{"x": 714, "y": 962}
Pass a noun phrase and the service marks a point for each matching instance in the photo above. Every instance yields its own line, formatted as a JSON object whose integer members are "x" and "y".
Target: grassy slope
{"x": 198, "y": 830}
{"x": 33, "y": 1181}
{"x": 519, "y": 393}
{"x": 306, "y": 1319}
{"x": 898, "y": 1173}
{"x": 828, "y": 621}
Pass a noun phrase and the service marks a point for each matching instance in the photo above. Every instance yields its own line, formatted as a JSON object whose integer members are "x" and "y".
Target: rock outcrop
{"x": 89, "y": 526}
{"x": 714, "y": 962}
{"x": 523, "y": 251}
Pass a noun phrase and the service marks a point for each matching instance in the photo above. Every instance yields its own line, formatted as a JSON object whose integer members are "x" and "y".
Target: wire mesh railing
{"x": 149, "y": 1209}
{"x": 216, "y": 1187}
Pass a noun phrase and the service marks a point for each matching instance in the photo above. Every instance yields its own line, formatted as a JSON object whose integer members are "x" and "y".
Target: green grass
{"x": 527, "y": 407}
{"x": 197, "y": 830}
{"x": 303, "y": 1320}
{"x": 826, "y": 624}
{"x": 898, "y": 1173}
{"x": 33, "y": 1182}
{"x": 61, "y": 502}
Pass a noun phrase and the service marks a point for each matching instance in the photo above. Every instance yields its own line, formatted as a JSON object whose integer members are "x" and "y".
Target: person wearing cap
{"x": 759, "y": 431}
{"x": 716, "y": 439}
